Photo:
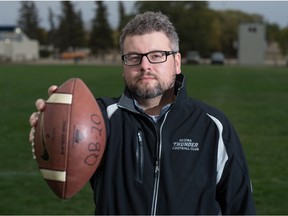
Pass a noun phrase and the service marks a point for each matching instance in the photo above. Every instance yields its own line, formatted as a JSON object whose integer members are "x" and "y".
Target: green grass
{"x": 254, "y": 98}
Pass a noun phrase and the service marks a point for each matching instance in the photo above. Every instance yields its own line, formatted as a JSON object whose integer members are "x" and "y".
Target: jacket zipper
{"x": 139, "y": 157}
{"x": 157, "y": 169}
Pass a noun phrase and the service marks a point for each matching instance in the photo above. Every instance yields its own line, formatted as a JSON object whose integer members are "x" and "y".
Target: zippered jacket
{"x": 189, "y": 162}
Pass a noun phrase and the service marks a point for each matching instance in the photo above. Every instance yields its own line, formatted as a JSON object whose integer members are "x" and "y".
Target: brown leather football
{"x": 70, "y": 138}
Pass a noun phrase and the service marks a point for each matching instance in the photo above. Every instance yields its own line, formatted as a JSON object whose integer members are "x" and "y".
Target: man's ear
{"x": 178, "y": 63}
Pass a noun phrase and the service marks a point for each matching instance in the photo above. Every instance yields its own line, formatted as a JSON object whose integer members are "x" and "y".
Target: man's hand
{"x": 40, "y": 106}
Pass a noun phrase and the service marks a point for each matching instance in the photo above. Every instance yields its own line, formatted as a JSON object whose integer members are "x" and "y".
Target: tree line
{"x": 199, "y": 27}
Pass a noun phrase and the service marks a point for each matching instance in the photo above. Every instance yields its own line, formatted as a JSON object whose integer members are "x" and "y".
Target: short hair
{"x": 149, "y": 22}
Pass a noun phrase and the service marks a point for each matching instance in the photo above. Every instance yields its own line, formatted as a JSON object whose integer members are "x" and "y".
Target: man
{"x": 166, "y": 153}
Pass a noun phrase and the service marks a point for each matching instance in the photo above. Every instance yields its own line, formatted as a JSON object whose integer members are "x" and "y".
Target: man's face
{"x": 148, "y": 80}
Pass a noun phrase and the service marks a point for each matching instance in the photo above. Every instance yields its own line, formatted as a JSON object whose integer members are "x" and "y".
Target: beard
{"x": 147, "y": 90}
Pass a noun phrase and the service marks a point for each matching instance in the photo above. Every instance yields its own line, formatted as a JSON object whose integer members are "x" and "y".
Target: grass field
{"x": 254, "y": 98}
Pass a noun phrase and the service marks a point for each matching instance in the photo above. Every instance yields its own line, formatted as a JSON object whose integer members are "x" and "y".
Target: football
{"x": 69, "y": 139}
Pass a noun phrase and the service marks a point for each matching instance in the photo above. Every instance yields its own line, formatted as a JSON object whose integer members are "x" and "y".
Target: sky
{"x": 272, "y": 11}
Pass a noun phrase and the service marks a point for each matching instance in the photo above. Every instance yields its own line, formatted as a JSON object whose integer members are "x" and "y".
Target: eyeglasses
{"x": 153, "y": 57}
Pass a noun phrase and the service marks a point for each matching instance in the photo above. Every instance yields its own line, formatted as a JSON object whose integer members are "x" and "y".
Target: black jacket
{"x": 189, "y": 162}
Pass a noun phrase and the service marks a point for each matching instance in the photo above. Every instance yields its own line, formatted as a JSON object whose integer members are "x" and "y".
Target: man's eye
{"x": 133, "y": 58}
{"x": 156, "y": 55}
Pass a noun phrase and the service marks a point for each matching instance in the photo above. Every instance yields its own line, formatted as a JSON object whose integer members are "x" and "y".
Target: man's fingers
{"x": 40, "y": 104}
{"x": 52, "y": 89}
{"x": 31, "y": 135}
{"x": 34, "y": 119}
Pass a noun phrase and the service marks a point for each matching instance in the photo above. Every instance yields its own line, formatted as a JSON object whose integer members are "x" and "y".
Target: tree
{"x": 123, "y": 19}
{"x": 122, "y": 16}
{"x": 28, "y": 21}
{"x": 80, "y": 39}
{"x": 272, "y": 32}
{"x": 101, "y": 40}
{"x": 283, "y": 41}
{"x": 52, "y": 32}
{"x": 192, "y": 20}
{"x": 230, "y": 21}
{"x": 204, "y": 29}
{"x": 195, "y": 34}
{"x": 70, "y": 33}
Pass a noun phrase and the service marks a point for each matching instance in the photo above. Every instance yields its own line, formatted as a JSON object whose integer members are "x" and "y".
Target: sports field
{"x": 254, "y": 98}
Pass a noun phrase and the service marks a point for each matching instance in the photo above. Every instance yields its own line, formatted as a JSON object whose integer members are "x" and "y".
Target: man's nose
{"x": 145, "y": 62}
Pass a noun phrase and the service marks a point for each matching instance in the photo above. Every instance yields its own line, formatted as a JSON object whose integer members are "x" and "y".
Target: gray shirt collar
{"x": 155, "y": 118}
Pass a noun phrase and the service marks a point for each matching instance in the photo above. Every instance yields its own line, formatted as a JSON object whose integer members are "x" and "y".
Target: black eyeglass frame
{"x": 167, "y": 53}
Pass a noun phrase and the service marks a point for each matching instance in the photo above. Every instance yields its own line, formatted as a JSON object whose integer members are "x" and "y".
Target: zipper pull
{"x": 157, "y": 166}
{"x": 140, "y": 138}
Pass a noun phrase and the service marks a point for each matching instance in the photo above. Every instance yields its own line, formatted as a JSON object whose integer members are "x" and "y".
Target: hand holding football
{"x": 70, "y": 138}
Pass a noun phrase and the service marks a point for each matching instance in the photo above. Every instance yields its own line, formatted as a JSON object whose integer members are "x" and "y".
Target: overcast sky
{"x": 273, "y": 11}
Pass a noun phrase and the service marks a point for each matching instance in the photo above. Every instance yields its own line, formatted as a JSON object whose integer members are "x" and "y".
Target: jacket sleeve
{"x": 234, "y": 190}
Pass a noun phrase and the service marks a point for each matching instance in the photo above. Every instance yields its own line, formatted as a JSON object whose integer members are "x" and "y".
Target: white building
{"x": 16, "y": 46}
{"x": 251, "y": 44}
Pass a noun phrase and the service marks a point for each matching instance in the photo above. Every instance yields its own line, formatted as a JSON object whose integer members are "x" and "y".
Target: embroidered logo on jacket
{"x": 185, "y": 145}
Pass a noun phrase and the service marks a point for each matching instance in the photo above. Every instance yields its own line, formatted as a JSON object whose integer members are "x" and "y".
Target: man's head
{"x": 147, "y": 23}
{"x": 150, "y": 53}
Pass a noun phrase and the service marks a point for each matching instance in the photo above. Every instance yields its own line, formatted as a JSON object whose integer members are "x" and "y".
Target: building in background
{"x": 16, "y": 46}
{"x": 251, "y": 44}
